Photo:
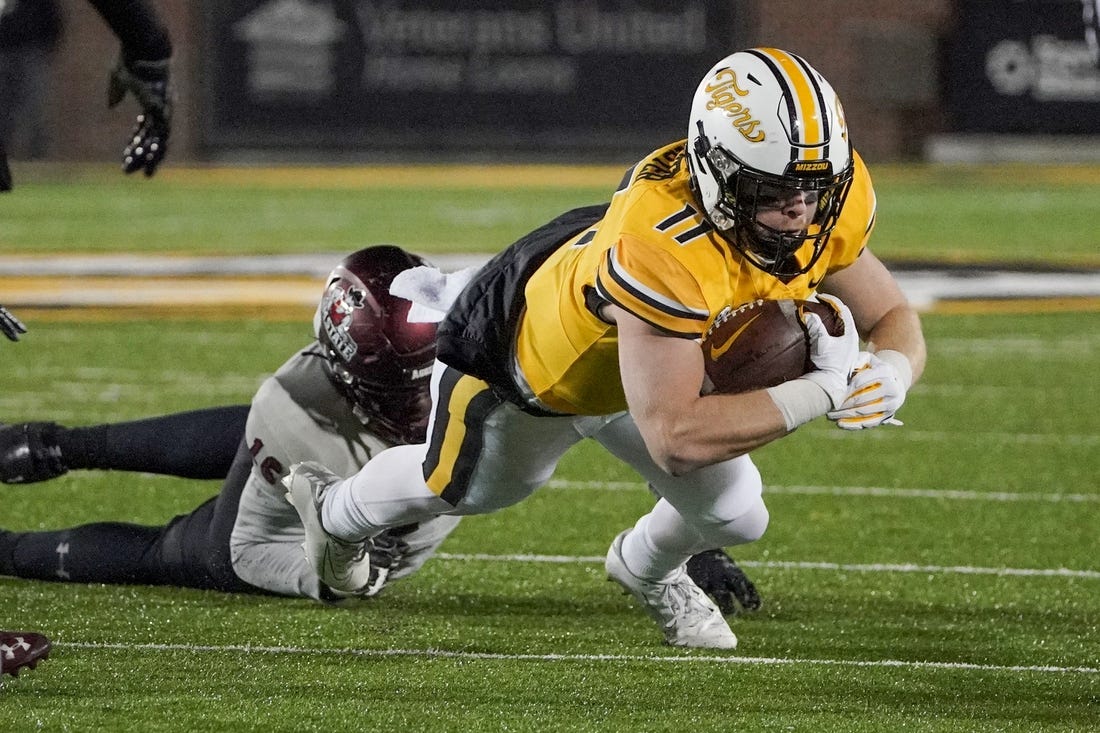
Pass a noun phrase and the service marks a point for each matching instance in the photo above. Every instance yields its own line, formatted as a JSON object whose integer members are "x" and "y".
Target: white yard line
{"x": 629, "y": 658}
{"x": 874, "y": 491}
{"x": 796, "y": 565}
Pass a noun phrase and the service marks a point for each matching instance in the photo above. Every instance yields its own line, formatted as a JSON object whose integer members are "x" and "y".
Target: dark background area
{"x": 905, "y": 71}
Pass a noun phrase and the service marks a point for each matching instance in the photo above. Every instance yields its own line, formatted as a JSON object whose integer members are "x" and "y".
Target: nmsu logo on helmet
{"x": 336, "y": 312}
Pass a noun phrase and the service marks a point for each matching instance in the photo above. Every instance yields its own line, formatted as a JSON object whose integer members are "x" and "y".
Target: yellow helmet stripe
{"x": 804, "y": 94}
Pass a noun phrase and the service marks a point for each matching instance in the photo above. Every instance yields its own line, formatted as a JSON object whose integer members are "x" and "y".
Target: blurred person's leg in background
{"x": 29, "y": 33}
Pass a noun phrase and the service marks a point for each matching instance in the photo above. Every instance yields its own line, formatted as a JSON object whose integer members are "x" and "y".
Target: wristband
{"x": 800, "y": 401}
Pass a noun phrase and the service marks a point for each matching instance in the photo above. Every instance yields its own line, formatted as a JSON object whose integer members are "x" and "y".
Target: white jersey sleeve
{"x": 297, "y": 415}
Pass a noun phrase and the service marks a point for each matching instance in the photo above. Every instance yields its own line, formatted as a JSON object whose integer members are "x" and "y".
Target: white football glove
{"x": 833, "y": 357}
{"x": 876, "y": 391}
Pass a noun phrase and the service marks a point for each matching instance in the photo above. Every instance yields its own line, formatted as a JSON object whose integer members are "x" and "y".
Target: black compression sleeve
{"x": 138, "y": 26}
{"x": 105, "y": 552}
{"x": 198, "y": 444}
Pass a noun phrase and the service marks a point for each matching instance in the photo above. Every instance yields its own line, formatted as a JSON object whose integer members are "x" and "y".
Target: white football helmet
{"x": 763, "y": 123}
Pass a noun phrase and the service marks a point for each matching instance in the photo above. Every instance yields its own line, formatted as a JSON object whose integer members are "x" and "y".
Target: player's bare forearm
{"x": 900, "y": 330}
{"x": 683, "y": 431}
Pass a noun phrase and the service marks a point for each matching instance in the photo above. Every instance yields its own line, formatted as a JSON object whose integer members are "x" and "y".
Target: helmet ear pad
{"x": 380, "y": 360}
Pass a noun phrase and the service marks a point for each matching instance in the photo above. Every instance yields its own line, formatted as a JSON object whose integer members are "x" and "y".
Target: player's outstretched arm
{"x": 143, "y": 72}
{"x": 150, "y": 83}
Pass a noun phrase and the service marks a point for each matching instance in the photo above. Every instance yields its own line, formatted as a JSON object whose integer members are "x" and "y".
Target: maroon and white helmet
{"x": 379, "y": 360}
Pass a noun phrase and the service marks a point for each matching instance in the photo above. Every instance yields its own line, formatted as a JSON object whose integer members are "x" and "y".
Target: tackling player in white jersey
{"x": 361, "y": 387}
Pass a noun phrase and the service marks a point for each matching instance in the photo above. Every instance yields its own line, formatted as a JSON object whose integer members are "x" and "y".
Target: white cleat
{"x": 342, "y": 566}
{"x": 685, "y": 614}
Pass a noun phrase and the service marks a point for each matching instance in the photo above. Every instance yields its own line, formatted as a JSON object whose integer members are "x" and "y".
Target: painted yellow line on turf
{"x": 165, "y": 292}
{"x": 496, "y": 176}
{"x": 696, "y": 657}
{"x": 216, "y": 312}
{"x": 1016, "y": 306}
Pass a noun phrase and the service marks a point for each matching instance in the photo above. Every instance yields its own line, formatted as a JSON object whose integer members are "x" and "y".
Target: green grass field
{"x": 1033, "y": 215}
{"x": 941, "y": 576}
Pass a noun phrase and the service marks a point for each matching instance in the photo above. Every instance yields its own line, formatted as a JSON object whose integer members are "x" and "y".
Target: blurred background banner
{"x": 432, "y": 76}
{"x": 1021, "y": 67}
{"x": 572, "y": 81}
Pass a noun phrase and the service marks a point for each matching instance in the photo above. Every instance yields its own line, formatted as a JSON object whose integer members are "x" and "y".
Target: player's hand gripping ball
{"x": 761, "y": 344}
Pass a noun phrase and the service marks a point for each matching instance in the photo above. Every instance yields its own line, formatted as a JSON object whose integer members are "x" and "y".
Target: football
{"x": 761, "y": 344}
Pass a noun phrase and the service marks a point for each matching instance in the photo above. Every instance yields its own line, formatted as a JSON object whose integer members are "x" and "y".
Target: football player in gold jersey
{"x": 589, "y": 327}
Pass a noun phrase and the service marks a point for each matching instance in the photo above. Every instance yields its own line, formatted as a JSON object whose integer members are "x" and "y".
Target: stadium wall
{"x": 881, "y": 57}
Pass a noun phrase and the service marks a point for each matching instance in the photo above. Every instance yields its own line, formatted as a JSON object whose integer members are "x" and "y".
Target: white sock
{"x": 387, "y": 492}
{"x": 662, "y": 541}
{"x": 654, "y": 554}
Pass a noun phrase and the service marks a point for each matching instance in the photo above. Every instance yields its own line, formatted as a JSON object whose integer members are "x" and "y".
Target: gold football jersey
{"x": 655, "y": 255}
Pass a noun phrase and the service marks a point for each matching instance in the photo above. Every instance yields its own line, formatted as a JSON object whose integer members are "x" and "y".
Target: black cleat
{"x": 19, "y": 649}
{"x": 387, "y": 550}
{"x": 29, "y": 453}
{"x": 724, "y": 581}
